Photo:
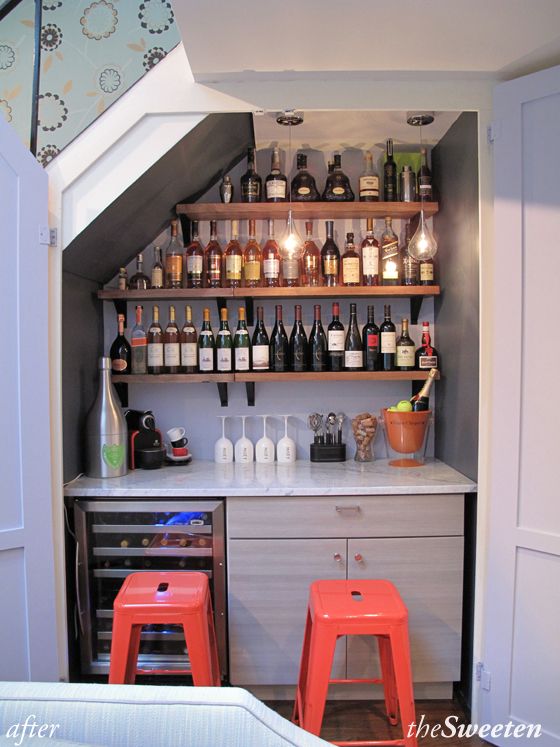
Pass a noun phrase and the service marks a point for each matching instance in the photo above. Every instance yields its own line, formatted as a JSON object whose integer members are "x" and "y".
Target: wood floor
{"x": 360, "y": 719}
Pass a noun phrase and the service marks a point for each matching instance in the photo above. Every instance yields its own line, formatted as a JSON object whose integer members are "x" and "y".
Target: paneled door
{"x": 28, "y": 645}
{"x": 520, "y": 681}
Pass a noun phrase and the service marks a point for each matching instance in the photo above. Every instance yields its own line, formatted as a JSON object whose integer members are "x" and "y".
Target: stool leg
{"x": 388, "y": 677}
{"x": 120, "y": 650}
{"x": 297, "y": 713}
{"x": 198, "y": 646}
{"x": 321, "y": 652}
{"x": 401, "y": 661}
{"x": 132, "y": 660}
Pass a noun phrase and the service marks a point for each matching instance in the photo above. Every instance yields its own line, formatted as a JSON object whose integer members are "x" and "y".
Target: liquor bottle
{"x": 407, "y": 184}
{"x": 405, "y": 349}
{"x": 350, "y": 263}
{"x": 206, "y": 345}
{"x": 303, "y": 187}
{"x": 251, "y": 183}
{"x": 298, "y": 344}
{"x": 241, "y": 343}
{"x": 189, "y": 346}
{"x": 260, "y": 344}
{"x": 421, "y": 401}
{"x": 318, "y": 347}
{"x": 335, "y": 340}
{"x": 337, "y": 186}
{"x": 139, "y": 343}
{"x": 369, "y": 182}
{"x": 271, "y": 259}
{"x": 174, "y": 259}
{"x": 226, "y": 190}
{"x": 389, "y": 255}
{"x": 370, "y": 256}
{"x": 120, "y": 350}
{"x": 370, "y": 341}
{"x": 213, "y": 258}
{"x": 426, "y": 355}
{"x": 279, "y": 345}
{"x": 224, "y": 344}
{"x": 388, "y": 335}
{"x": 172, "y": 345}
{"x": 106, "y": 430}
{"x": 409, "y": 264}
{"x": 427, "y": 272}
{"x": 276, "y": 183}
{"x": 139, "y": 281}
{"x": 330, "y": 257}
{"x": 424, "y": 178}
{"x": 194, "y": 259}
{"x": 389, "y": 175}
{"x": 252, "y": 259}
{"x": 155, "y": 344}
{"x": 234, "y": 258}
{"x": 311, "y": 259}
{"x": 123, "y": 279}
{"x": 353, "y": 353}
{"x": 156, "y": 276}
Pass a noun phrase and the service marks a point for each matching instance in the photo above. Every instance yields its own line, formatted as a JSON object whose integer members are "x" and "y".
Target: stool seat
{"x": 161, "y": 593}
{"x": 357, "y": 602}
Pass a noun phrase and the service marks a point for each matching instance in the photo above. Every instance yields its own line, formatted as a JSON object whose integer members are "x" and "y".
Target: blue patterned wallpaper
{"x": 91, "y": 53}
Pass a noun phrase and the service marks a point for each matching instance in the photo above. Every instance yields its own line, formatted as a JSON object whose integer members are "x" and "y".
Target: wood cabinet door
{"x": 268, "y": 589}
{"x": 428, "y": 572}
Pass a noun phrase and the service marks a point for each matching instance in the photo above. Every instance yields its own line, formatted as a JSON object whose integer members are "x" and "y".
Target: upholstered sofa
{"x": 75, "y": 715}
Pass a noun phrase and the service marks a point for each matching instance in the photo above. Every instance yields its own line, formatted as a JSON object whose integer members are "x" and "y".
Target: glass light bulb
{"x": 422, "y": 245}
{"x": 291, "y": 243}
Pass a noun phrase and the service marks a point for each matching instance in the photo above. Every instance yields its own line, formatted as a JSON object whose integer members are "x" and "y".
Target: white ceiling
{"x": 491, "y": 38}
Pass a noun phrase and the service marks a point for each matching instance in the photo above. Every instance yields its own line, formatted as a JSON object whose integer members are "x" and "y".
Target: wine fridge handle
{"x": 341, "y": 509}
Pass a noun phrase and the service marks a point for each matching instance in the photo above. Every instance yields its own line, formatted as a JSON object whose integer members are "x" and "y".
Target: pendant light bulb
{"x": 291, "y": 244}
{"x": 423, "y": 245}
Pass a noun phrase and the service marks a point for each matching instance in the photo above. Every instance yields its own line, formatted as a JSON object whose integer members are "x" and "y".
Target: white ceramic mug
{"x": 175, "y": 434}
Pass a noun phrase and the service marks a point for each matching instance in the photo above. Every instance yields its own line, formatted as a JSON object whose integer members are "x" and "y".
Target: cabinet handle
{"x": 341, "y": 509}
{"x": 358, "y": 558}
{"x": 338, "y": 557}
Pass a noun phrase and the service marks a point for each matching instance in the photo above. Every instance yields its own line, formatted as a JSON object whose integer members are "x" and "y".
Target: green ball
{"x": 404, "y": 406}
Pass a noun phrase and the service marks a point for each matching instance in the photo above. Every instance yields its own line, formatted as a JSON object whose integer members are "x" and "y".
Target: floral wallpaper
{"x": 91, "y": 53}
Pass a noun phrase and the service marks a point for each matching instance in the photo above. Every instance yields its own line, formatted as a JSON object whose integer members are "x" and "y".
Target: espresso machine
{"x": 146, "y": 449}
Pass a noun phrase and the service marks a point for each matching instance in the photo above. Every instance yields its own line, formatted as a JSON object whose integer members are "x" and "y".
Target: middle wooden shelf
{"x": 321, "y": 291}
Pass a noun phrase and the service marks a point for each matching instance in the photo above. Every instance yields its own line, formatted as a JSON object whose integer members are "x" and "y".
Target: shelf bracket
{"x": 120, "y": 308}
{"x": 249, "y": 311}
{"x": 250, "y": 387}
{"x": 223, "y": 392}
{"x": 415, "y": 306}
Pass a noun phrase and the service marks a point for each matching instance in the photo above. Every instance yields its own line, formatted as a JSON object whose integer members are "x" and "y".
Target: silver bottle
{"x": 106, "y": 430}
{"x": 226, "y": 190}
{"x": 407, "y": 185}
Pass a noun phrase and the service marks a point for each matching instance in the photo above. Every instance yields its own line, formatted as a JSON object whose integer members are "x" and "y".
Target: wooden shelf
{"x": 255, "y": 376}
{"x": 304, "y": 210}
{"x": 210, "y": 378}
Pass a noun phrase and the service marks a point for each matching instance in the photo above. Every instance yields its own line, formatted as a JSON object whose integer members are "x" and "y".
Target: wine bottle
{"x": 279, "y": 345}
{"x": 172, "y": 345}
{"x": 234, "y": 258}
{"x": 370, "y": 256}
{"x": 241, "y": 343}
{"x": 330, "y": 257}
{"x": 189, "y": 347}
{"x": 337, "y": 186}
{"x": 387, "y": 333}
{"x": 389, "y": 254}
{"x": 421, "y": 401}
{"x": 139, "y": 345}
{"x": 155, "y": 344}
{"x": 405, "y": 349}
{"x": 303, "y": 187}
{"x": 194, "y": 259}
{"x": 426, "y": 355}
{"x": 260, "y": 344}
{"x": 424, "y": 178}
{"x": 213, "y": 258}
{"x": 174, "y": 259}
{"x": 318, "y": 348}
{"x": 369, "y": 182}
{"x": 311, "y": 260}
{"x": 224, "y": 344}
{"x": 370, "y": 341}
{"x": 156, "y": 278}
{"x": 206, "y": 345}
{"x": 298, "y": 344}
{"x": 120, "y": 350}
{"x": 140, "y": 281}
{"x": 276, "y": 183}
{"x": 252, "y": 259}
{"x": 335, "y": 340}
{"x": 350, "y": 262}
{"x": 389, "y": 175}
{"x": 353, "y": 353}
{"x": 251, "y": 183}
{"x": 271, "y": 259}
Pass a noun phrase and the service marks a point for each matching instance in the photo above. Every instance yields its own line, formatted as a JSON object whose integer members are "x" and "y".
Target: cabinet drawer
{"x": 346, "y": 516}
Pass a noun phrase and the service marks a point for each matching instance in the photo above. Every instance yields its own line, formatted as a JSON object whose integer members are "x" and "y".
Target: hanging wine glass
{"x": 286, "y": 447}
{"x": 223, "y": 448}
{"x": 264, "y": 449}
{"x": 243, "y": 446}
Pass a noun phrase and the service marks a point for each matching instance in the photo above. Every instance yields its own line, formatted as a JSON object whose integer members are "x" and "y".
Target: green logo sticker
{"x": 113, "y": 455}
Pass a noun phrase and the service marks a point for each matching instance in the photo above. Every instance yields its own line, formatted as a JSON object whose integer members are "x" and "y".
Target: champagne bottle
{"x": 120, "y": 350}
{"x": 335, "y": 340}
{"x": 260, "y": 344}
{"x": 206, "y": 345}
{"x": 155, "y": 344}
{"x": 279, "y": 345}
{"x": 388, "y": 341}
{"x": 241, "y": 343}
{"x": 106, "y": 430}
{"x": 370, "y": 341}
{"x": 172, "y": 345}
{"x": 139, "y": 342}
{"x": 421, "y": 401}
{"x": 318, "y": 348}
{"x": 353, "y": 354}
{"x": 189, "y": 347}
{"x": 224, "y": 344}
{"x": 298, "y": 344}
{"x": 405, "y": 349}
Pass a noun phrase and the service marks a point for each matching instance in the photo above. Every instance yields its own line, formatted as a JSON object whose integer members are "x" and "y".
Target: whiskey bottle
{"x": 369, "y": 182}
{"x": 370, "y": 256}
{"x": 389, "y": 175}
{"x": 189, "y": 348}
{"x": 350, "y": 263}
{"x": 330, "y": 257}
{"x": 224, "y": 344}
{"x": 424, "y": 178}
{"x": 251, "y": 183}
{"x": 337, "y": 187}
{"x": 206, "y": 345}
{"x": 390, "y": 254}
{"x": 155, "y": 344}
{"x": 426, "y": 355}
{"x": 311, "y": 259}
{"x": 303, "y": 187}
{"x": 234, "y": 258}
{"x": 120, "y": 350}
{"x": 194, "y": 259}
{"x": 157, "y": 274}
{"x": 279, "y": 345}
{"x": 140, "y": 281}
{"x": 405, "y": 349}
{"x": 139, "y": 343}
{"x": 213, "y": 259}
{"x": 252, "y": 259}
{"x": 271, "y": 259}
{"x": 174, "y": 260}
{"x": 276, "y": 183}
{"x": 172, "y": 345}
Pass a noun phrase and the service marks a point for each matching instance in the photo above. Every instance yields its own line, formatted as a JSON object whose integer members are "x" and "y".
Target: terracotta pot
{"x": 406, "y": 430}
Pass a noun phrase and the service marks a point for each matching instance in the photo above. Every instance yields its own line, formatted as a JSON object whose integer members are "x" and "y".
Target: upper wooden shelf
{"x": 304, "y": 210}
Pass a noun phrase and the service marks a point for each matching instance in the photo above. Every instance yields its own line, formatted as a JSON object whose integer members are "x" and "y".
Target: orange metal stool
{"x": 361, "y": 607}
{"x": 153, "y": 598}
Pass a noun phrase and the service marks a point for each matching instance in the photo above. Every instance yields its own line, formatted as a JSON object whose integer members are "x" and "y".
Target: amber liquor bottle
{"x": 350, "y": 263}
{"x": 233, "y": 258}
{"x": 311, "y": 260}
{"x": 252, "y": 259}
{"x": 174, "y": 259}
{"x": 213, "y": 259}
{"x": 194, "y": 259}
{"x": 139, "y": 281}
{"x": 271, "y": 259}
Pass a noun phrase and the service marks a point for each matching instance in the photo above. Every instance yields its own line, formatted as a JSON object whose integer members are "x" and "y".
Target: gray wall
{"x": 455, "y": 172}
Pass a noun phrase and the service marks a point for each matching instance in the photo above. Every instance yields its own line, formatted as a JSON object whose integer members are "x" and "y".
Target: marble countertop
{"x": 209, "y": 480}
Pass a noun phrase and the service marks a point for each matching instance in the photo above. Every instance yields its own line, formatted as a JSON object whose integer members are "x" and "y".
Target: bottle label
{"x": 250, "y": 190}
{"x": 388, "y": 342}
{"x": 425, "y": 186}
{"x": 223, "y": 359}
{"x": 372, "y": 340}
{"x": 214, "y": 267}
{"x": 174, "y": 268}
{"x": 290, "y": 269}
{"x": 350, "y": 270}
{"x": 241, "y": 359}
{"x": 370, "y": 260}
{"x": 271, "y": 268}
{"x": 260, "y": 357}
{"x": 139, "y": 357}
{"x": 338, "y": 190}
{"x": 276, "y": 189}
{"x": 427, "y": 362}
{"x": 303, "y": 191}
{"x": 118, "y": 365}
{"x": 369, "y": 186}
{"x": 194, "y": 265}
{"x": 252, "y": 270}
{"x": 405, "y": 355}
{"x": 172, "y": 353}
{"x": 155, "y": 354}
{"x": 138, "y": 342}
{"x": 426, "y": 271}
{"x": 390, "y": 249}
{"x": 188, "y": 353}
{"x": 206, "y": 359}
{"x": 353, "y": 358}
{"x": 336, "y": 340}
{"x": 233, "y": 267}
{"x": 157, "y": 277}
{"x": 330, "y": 266}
